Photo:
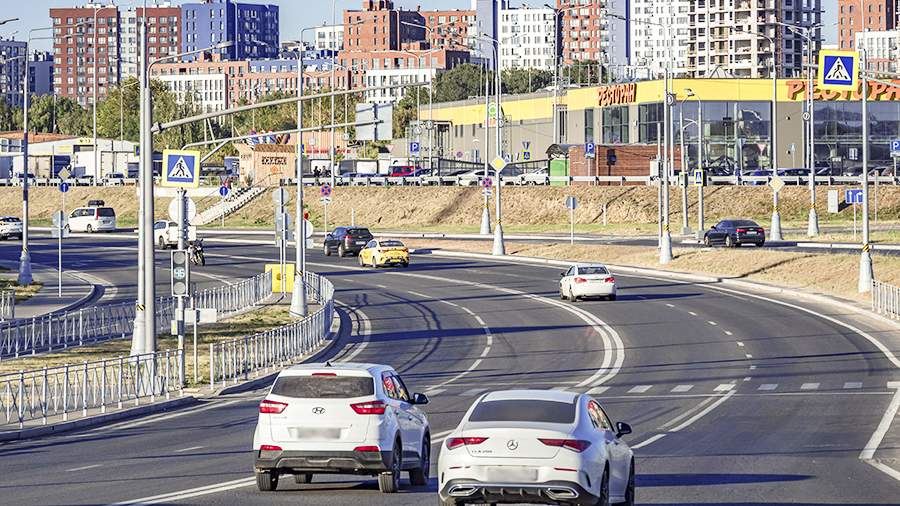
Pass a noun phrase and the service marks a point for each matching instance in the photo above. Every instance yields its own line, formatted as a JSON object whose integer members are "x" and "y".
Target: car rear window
{"x": 524, "y": 410}
{"x": 592, "y": 270}
{"x": 11, "y": 219}
{"x": 745, "y": 223}
{"x": 324, "y": 387}
{"x": 106, "y": 211}
{"x": 391, "y": 244}
{"x": 359, "y": 232}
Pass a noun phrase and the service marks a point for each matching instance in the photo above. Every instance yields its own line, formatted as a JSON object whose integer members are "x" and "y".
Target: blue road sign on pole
{"x": 853, "y": 196}
{"x": 526, "y": 155}
{"x": 181, "y": 169}
{"x": 895, "y": 147}
{"x": 414, "y": 148}
{"x": 590, "y": 150}
{"x": 64, "y": 187}
{"x": 223, "y": 191}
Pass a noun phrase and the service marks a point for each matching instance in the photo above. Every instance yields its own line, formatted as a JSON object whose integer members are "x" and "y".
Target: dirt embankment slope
{"x": 628, "y": 209}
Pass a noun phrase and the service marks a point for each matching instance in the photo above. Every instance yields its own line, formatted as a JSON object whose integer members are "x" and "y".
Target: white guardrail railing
{"x": 886, "y": 299}
{"x": 7, "y": 304}
{"x": 90, "y": 325}
{"x": 90, "y": 386}
{"x": 233, "y": 361}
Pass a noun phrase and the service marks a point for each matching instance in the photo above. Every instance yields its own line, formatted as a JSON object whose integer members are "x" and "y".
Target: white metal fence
{"x": 233, "y": 361}
{"x": 886, "y": 299}
{"x": 88, "y": 387}
{"x": 90, "y": 325}
{"x": 7, "y": 304}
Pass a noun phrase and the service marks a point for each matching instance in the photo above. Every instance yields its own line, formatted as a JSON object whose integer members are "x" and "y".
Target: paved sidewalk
{"x": 76, "y": 291}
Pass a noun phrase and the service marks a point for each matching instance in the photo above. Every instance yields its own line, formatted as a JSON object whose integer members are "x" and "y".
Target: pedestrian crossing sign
{"x": 181, "y": 169}
{"x": 838, "y": 70}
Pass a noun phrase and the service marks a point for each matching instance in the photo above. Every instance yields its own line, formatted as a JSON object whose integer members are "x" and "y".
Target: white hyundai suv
{"x": 341, "y": 419}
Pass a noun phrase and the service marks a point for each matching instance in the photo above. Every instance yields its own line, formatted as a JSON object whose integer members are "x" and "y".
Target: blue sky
{"x": 294, "y": 13}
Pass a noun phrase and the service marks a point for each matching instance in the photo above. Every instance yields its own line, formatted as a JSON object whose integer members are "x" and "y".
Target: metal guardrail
{"x": 61, "y": 391}
{"x": 886, "y": 299}
{"x": 233, "y": 361}
{"x": 7, "y": 304}
{"x": 99, "y": 323}
{"x": 228, "y": 206}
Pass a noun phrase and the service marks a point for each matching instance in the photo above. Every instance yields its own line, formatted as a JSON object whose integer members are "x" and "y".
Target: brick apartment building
{"x": 163, "y": 35}
{"x": 380, "y": 27}
{"x": 863, "y": 16}
{"x": 449, "y": 29}
{"x": 85, "y": 37}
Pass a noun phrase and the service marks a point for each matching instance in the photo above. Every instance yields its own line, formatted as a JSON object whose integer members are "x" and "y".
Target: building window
{"x": 615, "y": 125}
{"x": 588, "y": 125}
{"x": 649, "y": 120}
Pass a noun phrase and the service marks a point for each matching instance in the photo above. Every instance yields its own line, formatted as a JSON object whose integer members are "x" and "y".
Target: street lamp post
{"x": 499, "y": 247}
{"x": 685, "y": 226}
{"x": 690, "y": 94}
{"x": 556, "y": 65}
{"x": 866, "y": 274}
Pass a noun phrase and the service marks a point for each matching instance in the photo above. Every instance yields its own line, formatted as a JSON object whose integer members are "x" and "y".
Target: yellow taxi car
{"x": 381, "y": 253}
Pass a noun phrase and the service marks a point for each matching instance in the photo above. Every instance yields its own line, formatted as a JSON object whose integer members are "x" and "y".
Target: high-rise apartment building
{"x": 659, "y": 32}
{"x": 449, "y": 29}
{"x": 40, "y": 73}
{"x": 163, "y": 35}
{"x": 12, "y": 71}
{"x": 594, "y": 31}
{"x": 86, "y": 49}
{"x": 252, "y": 28}
{"x": 329, "y": 38}
{"x": 484, "y": 27}
{"x": 856, "y": 16}
{"x": 527, "y": 38}
{"x": 882, "y": 49}
{"x": 726, "y": 37}
{"x": 378, "y": 26}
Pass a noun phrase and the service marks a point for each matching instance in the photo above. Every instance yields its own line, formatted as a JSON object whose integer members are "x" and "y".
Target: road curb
{"x": 81, "y": 301}
{"x": 97, "y": 420}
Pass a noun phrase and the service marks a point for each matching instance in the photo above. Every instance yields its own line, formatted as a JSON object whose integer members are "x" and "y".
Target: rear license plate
{"x": 511, "y": 474}
{"x": 751, "y": 232}
{"x": 314, "y": 433}
{"x": 360, "y": 242}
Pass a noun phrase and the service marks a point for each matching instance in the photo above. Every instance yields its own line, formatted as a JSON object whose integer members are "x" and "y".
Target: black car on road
{"x": 733, "y": 233}
{"x": 346, "y": 241}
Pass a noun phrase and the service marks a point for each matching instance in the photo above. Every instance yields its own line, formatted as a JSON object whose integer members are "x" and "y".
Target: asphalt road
{"x": 734, "y": 399}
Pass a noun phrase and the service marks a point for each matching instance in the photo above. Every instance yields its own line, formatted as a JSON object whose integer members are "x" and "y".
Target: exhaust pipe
{"x": 561, "y": 493}
{"x": 462, "y": 490}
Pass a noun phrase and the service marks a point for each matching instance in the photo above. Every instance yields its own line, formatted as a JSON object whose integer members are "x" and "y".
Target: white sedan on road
{"x": 584, "y": 280}
{"x": 537, "y": 447}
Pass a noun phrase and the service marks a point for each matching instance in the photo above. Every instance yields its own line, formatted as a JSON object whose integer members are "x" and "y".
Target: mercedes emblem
{"x": 512, "y": 445}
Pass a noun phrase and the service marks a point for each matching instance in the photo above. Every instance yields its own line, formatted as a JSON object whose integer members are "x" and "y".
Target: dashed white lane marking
{"x": 752, "y": 367}
{"x": 83, "y": 468}
{"x": 704, "y": 406}
{"x": 712, "y": 323}
{"x": 597, "y": 390}
{"x": 682, "y": 388}
{"x": 452, "y": 304}
{"x": 747, "y": 378}
{"x": 192, "y": 448}
{"x": 670, "y": 305}
{"x": 852, "y": 384}
{"x": 748, "y": 355}
{"x": 417, "y": 294}
{"x": 768, "y": 387}
{"x": 728, "y": 332}
{"x": 692, "y": 313}
{"x": 724, "y": 387}
{"x": 640, "y": 389}
{"x": 809, "y": 386}
{"x": 740, "y": 344}
{"x": 472, "y": 392}
{"x": 381, "y": 286}
{"x": 468, "y": 311}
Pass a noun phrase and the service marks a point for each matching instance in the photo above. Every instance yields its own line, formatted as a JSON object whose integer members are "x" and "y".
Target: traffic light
{"x": 180, "y": 273}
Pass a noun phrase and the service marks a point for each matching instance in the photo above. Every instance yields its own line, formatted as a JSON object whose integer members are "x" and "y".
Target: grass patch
{"x": 22, "y": 292}
{"x": 262, "y": 319}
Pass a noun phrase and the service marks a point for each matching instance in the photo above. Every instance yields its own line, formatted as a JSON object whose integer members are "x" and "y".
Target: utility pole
{"x": 334, "y": 169}
{"x": 25, "y": 277}
{"x": 866, "y": 274}
{"x": 299, "y": 305}
{"x": 144, "y": 340}
{"x": 485, "y": 213}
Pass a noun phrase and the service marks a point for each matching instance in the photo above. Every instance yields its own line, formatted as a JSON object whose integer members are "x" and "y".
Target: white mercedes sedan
{"x": 584, "y": 280}
{"x": 536, "y": 447}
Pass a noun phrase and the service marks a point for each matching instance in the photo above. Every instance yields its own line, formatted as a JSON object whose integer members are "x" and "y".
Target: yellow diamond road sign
{"x": 838, "y": 70}
{"x": 498, "y": 163}
{"x": 776, "y": 183}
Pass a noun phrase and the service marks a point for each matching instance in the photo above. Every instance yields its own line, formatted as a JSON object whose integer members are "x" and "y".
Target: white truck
{"x": 165, "y": 234}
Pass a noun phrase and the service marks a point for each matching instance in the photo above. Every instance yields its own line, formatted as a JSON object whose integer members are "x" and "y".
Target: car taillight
{"x": 269, "y": 448}
{"x": 271, "y": 407}
{"x": 576, "y": 445}
{"x": 609, "y": 280}
{"x": 741, "y": 230}
{"x": 456, "y": 442}
{"x": 367, "y": 449}
{"x": 580, "y": 280}
{"x": 323, "y": 374}
{"x": 369, "y": 408}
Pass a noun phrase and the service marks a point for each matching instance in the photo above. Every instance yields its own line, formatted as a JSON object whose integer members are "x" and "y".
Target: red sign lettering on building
{"x": 877, "y": 91}
{"x": 617, "y": 94}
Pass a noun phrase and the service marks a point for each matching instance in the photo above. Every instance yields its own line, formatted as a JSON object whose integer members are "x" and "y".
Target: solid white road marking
{"x": 83, "y": 468}
{"x": 640, "y": 389}
{"x": 692, "y": 313}
{"x": 706, "y": 409}
{"x": 728, "y": 332}
{"x": 417, "y": 294}
{"x": 752, "y": 367}
{"x": 193, "y": 492}
{"x": 768, "y": 386}
{"x": 682, "y": 388}
{"x": 688, "y": 413}
{"x": 703, "y": 413}
{"x": 192, "y": 448}
{"x": 852, "y": 384}
{"x": 365, "y": 334}
{"x": 648, "y": 441}
{"x": 868, "y": 453}
{"x": 670, "y": 305}
{"x": 724, "y": 387}
{"x": 809, "y": 386}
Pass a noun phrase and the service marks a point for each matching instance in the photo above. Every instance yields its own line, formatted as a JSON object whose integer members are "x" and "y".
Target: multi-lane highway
{"x": 734, "y": 398}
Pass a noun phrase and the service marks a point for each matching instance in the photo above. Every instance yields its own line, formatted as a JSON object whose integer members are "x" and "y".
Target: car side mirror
{"x": 622, "y": 429}
{"x": 419, "y": 399}
{"x": 562, "y": 274}
{"x": 328, "y": 237}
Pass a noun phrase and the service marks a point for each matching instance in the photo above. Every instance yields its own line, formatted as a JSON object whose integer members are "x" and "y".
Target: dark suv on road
{"x": 346, "y": 241}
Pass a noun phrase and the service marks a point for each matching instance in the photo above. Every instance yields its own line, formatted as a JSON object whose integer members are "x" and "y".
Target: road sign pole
{"x": 485, "y": 213}
{"x": 665, "y": 250}
{"x": 182, "y": 245}
{"x": 775, "y": 230}
{"x": 499, "y": 248}
{"x": 866, "y": 274}
{"x": 572, "y": 226}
